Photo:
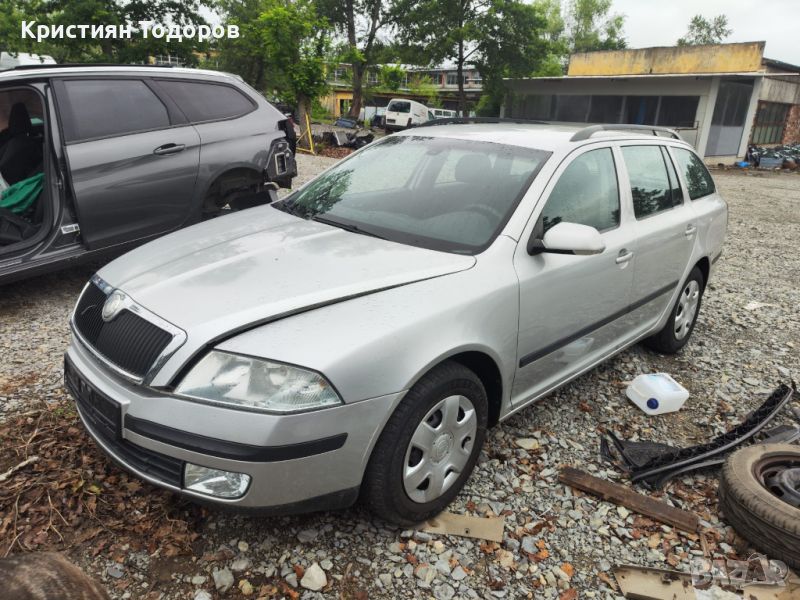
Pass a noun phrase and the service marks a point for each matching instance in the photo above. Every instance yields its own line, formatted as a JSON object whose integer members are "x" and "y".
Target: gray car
{"x": 105, "y": 158}
{"x": 358, "y": 337}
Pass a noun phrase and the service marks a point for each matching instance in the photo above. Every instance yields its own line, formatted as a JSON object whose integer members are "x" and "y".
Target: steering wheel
{"x": 486, "y": 211}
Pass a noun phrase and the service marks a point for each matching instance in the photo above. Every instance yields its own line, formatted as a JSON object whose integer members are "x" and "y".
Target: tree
{"x": 590, "y": 27}
{"x": 705, "y": 31}
{"x": 281, "y": 48}
{"x": 101, "y": 12}
{"x": 512, "y": 44}
{"x": 359, "y": 21}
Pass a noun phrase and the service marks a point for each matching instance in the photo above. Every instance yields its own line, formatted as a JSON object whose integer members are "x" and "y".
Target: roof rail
{"x": 467, "y": 120}
{"x": 587, "y": 132}
{"x": 81, "y": 66}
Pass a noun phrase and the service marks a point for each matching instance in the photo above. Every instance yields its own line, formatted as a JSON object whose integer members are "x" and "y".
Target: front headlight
{"x": 254, "y": 383}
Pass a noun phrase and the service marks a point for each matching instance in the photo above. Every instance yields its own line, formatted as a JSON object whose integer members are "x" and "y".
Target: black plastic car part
{"x": 654, "y": 464}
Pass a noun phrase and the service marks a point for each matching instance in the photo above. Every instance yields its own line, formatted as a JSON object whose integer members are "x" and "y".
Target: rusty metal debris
{"x": 619, "y": 494}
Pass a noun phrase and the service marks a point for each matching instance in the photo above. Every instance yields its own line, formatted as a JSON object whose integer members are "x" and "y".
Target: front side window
{"x": 650, "y": 185}
{"x": 586, "y": 193}
{"x": 698, "y": 179}
{"x": 207, "y": 101}
{"x": 438, "y": 193}
{"x": 110, "y": 107}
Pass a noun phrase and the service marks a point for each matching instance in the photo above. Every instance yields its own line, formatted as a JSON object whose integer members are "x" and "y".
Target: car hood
{"x": 260, "y": 264}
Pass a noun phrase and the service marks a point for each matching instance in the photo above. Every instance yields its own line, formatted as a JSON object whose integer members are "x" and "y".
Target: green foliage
{"x": 590, "y": 27}
{"x": 281, "y": 47}
{"x": 101, "y": 12}
{"x": 706, "y": 31}
{"x": 391, "y": 77}
{"x": 422, "y": 85}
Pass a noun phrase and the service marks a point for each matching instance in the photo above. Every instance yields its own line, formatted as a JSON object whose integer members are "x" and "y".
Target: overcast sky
{"x": 662, "y": 22}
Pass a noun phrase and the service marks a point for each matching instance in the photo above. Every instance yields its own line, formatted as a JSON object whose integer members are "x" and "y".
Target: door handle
{"x": 690, "y": 230}
{"x": 624, "y": 256}
{"x": 167, "y": 149}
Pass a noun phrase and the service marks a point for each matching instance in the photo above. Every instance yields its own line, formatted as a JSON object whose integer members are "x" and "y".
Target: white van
{"x": 402, "y": 113}
{"x": 20, "y": 59}
{"x": 443, "y": 113}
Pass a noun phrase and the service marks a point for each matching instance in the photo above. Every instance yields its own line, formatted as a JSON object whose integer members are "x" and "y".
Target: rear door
{"x": 708, "y": 205}
{"x": 666, "y": 230}
{"x": 132, "y": 156}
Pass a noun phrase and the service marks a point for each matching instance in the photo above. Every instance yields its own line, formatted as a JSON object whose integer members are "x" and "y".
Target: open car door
{"x": 132, "y": 158}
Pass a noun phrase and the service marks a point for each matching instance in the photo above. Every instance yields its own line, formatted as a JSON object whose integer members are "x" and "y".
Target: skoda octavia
{"x": 359, "y": 336}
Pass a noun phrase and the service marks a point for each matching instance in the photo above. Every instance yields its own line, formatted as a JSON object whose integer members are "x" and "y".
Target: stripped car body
{"x": 368, "y": 311}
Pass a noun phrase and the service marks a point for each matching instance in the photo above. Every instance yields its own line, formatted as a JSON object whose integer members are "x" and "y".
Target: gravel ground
{"x": 744, "y": 343}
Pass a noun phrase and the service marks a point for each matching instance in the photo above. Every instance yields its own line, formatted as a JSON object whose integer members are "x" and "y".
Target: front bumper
{"x": 296, "y": 462}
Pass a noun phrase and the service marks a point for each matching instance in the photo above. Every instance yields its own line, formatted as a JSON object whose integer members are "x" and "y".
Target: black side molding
{"x": 541, "y": 353}
{"x": 232, "y": 450}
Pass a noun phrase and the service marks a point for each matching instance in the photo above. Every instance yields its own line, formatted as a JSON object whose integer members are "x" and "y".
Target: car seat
{"x": 22, "y": 152}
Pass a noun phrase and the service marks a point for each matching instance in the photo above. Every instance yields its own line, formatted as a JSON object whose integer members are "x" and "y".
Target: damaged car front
{"x": 253, "y": 361}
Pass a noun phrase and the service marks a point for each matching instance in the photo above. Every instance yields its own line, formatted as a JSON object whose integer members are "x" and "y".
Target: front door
{"x": 132, "y": 159}
{"x": 573, "y": 309}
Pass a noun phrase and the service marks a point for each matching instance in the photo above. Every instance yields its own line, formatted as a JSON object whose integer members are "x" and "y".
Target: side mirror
{"x": 569, "y": 238}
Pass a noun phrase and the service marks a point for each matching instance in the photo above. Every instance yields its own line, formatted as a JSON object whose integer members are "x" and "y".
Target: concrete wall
{"x": 785, "y": 90}
{"x": 716, "y": 58}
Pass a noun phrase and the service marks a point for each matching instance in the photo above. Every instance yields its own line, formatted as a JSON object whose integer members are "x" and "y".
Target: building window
{"x": 678, "y": 111}
{"x": 770, "y": 123}
{"x": 733, "y": 99}
{"x": 452, "y": 78}
{"x": 339, "y": 74}
{"x": 572, "y": 109}
{"x": 605, "y": 109}
{"x": 641, "y": 110}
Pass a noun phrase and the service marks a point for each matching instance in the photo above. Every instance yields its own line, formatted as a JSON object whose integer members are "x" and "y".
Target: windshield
{"x": 401, "y": 107}
{"x": 438, "y": 193}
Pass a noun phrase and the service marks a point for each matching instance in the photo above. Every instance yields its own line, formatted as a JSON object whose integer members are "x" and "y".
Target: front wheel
{"x": 681, "y": 320}
{"x": 429, "y": 447}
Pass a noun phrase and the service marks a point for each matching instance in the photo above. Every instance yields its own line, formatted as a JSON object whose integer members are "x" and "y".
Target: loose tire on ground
{"x": 667, "y": 341}
{"x": 384, "y": 487}
{"x": 759, "y": 516}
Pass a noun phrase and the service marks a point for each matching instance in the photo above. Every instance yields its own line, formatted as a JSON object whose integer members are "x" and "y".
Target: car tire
{"x": 429, "y": 417}
{"x": 756, "y": 513}
{"x": 678, "y": 329}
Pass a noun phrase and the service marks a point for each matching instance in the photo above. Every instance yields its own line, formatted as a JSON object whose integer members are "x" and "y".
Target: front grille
{"x": 128, "y": 341}
{"x": 103, "y": 418}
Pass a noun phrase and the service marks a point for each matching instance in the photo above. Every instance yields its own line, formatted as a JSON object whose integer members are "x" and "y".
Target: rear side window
{"x": 111, "y": 107}
{"x": 207, "y": 101}
{"x": 586, "y": 193}
{"x": 698, "y": 179}
{"x": 650, "y": 184}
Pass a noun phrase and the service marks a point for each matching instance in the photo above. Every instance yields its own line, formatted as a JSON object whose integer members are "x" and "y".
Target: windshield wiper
{"x": 346, "y": 226}
{"x": 289, "y": 208}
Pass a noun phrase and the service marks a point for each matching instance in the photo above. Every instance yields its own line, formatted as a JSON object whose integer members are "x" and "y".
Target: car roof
{"x": 37, "y": 72}
{"x": 550, "y": 137}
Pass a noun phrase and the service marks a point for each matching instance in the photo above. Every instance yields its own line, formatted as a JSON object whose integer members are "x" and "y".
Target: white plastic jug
{"x": 657, "y": 393}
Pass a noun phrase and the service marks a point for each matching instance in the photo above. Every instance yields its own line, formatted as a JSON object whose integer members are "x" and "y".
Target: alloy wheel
{"x": 439, "y": 449}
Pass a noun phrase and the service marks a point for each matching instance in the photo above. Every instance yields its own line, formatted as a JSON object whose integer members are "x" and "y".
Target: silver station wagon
{"x": 357, "y": 338}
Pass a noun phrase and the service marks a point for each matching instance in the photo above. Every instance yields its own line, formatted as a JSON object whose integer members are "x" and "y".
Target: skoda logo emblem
{"x": 112, "y": 305}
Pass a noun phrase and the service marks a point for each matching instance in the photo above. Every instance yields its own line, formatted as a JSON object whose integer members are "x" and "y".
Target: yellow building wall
{"x": 718, "y": 58}
{"x": 332, "y": 102}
